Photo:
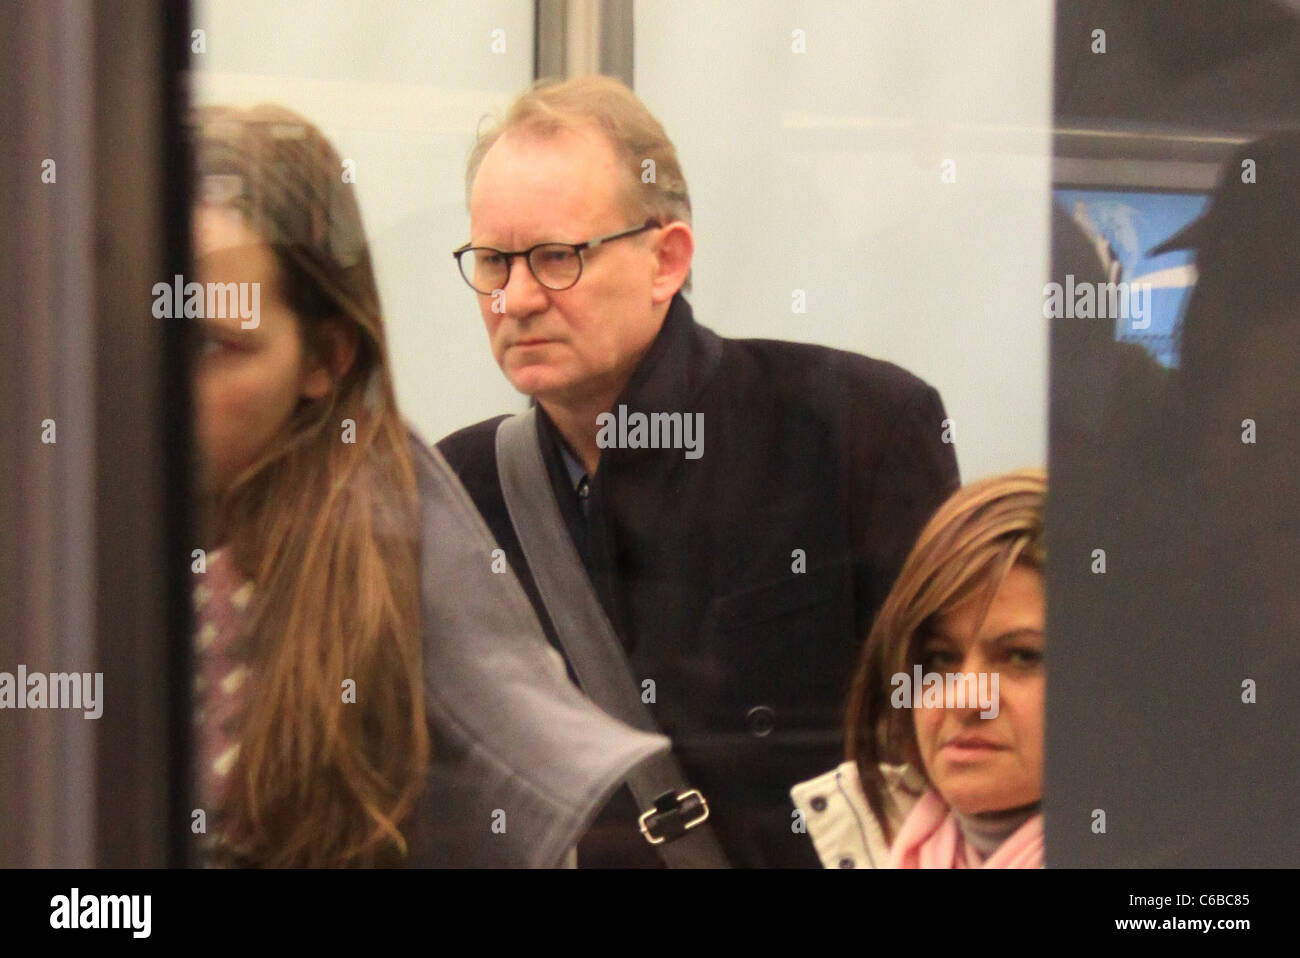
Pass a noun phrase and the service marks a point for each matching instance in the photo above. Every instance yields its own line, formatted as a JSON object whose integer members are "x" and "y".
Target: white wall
{"x": 821, "y": 171}
{"x": 399, "y": 87}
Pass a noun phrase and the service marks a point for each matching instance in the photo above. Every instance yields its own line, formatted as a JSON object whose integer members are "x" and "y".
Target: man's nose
{"x": 524, "y": 295}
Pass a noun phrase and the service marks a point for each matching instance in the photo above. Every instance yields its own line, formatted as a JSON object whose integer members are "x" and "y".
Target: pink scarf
{"x": 931, "y": 838}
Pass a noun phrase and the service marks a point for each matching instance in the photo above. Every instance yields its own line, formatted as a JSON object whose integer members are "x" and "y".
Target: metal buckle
{"x": 667, "y": 815}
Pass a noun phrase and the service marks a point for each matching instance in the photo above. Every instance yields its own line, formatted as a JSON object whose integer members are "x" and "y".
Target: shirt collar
{"x": 577, "y": 471}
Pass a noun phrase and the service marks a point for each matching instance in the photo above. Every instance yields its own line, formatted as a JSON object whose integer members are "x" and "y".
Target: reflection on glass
{"x": 1182, "y": 490}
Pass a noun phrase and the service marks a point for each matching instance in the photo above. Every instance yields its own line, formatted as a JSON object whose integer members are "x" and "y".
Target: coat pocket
{"x": 784, "y": 652}
{"x": 759, "y": 604}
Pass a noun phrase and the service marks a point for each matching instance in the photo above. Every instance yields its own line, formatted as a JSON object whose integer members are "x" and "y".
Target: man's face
{"x": 575, "y": 345}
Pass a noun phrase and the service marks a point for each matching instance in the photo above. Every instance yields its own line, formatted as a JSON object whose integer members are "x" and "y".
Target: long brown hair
{"x": 326, "y": 529}
{"x": 966, "y": 549}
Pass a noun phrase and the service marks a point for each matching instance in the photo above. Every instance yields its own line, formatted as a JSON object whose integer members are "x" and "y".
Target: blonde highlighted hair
{"x": 966, "y": 550}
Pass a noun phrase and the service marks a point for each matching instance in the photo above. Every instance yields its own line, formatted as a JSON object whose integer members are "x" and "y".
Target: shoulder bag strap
{"x": 674, "y": 812}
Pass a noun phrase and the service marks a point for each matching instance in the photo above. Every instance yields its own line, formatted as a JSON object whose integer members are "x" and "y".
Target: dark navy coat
{"x": 743, "y": 582}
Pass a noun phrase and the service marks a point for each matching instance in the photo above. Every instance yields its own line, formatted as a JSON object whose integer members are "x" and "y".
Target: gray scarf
{"x": 985, "y": 831}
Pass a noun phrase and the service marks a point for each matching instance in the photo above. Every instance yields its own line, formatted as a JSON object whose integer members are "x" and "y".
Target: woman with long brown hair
{"x": 945, "y": 719}
{"x": 348, "y": 581}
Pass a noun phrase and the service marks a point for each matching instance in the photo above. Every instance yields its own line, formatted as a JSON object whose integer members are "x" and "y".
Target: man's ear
{"x": 674, "y": 248}
{"x": 335, "y": 352}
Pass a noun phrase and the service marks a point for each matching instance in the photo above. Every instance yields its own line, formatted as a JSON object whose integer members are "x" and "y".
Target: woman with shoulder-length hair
{"x": 945, "y": 718}
{"x": 348, "y": 612}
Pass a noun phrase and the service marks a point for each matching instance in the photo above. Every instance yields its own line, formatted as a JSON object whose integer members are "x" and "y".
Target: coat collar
{"x": 678, "y": 365}
{"x": 675, "y": 370}
{"x": 839, "y": 820}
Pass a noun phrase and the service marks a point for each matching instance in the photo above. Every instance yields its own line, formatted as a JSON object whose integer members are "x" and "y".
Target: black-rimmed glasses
{"x": 556, "y": 266}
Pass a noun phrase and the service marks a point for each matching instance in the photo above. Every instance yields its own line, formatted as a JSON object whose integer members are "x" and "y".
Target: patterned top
{"x": 221, "y": 600}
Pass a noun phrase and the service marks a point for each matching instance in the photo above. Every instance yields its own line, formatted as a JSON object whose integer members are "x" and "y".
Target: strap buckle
{"x": 673, "y": 815}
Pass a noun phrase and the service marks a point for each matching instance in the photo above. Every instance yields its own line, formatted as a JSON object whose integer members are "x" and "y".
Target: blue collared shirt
{"x": 577, "y": 475}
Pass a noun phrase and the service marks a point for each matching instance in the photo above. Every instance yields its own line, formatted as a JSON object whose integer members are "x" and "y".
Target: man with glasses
{"x": 557, "y": 266}
{"x": 740, "y": 579}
